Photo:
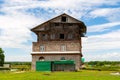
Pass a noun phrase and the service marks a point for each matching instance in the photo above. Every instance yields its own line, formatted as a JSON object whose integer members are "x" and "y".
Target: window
{"x": 52, "y": 36}
{"x": 63, "y": 19}
{"x": 41, "y": 58}
{"x": 42, "y": 48}
{"x": 70, "y": 36}
{"x": 63, "y": 48}
{"x": 61, "y": 36}
{"x": 44, "y": 36}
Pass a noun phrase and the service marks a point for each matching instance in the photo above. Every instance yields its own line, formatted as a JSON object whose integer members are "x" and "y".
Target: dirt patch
{"x": 115, "y": 73}
{"x": 20, "y": 72}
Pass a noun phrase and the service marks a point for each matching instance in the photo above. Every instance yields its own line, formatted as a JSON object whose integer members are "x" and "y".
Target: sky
{"x": 102, "y": 18}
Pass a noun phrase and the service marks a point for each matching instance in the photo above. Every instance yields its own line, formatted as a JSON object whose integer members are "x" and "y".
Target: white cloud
{"x": 101, "y": 42}
{"x": 102, "y": 47}
{"x": 15, "y": 29}
{"x": 102, "y": 27}
{"x": 111, "y": 14}
{"x": 77, "y": 8}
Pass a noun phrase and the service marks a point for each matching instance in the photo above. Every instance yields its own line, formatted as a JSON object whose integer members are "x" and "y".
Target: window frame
{"x": 63, "y": 19}
{"x": 44, "y": 36}
{"x": 63, "y": 47}
{"x": 70, "y": 36}
{"x": 42, "y": 48}
{"x": 52, "y": 36}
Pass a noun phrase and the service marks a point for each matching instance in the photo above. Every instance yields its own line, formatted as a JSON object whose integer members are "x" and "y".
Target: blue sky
{"x": 102, "y": 18}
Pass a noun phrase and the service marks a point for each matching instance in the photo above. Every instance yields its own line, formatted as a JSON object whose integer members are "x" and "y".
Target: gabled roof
{"x": 64, "y": 14}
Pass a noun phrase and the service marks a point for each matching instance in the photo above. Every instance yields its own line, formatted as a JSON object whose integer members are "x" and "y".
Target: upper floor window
{"x": 63, "y": 19}
{"x": 61, "y": 36}
{"x": 52, "y": 36}
{"x": 63, "y": 48}
{"x": 44, "y": 36}
{"x": 70, "y": 36}
{"x": 42, "y": 48}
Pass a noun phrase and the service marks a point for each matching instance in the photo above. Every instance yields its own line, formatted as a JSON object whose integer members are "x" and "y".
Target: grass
{"x": 81, "y": 75}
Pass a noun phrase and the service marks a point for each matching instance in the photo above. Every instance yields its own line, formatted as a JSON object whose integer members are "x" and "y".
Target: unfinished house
{"x": 58, "y": 39}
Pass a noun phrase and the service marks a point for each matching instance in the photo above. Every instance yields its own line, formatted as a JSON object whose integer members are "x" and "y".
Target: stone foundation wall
{"x": 51, "y": 57}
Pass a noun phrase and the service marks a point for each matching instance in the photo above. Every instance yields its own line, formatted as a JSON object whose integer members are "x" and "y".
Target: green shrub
{"x": 4, "y": 68}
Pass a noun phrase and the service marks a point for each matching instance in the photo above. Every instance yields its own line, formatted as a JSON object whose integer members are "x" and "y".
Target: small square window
{"x": 61, "y": 36}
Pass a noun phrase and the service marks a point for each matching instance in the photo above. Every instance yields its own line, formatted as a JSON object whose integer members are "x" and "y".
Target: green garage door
{"x": 63, "y": 65}
{"x": 43, "y": 65}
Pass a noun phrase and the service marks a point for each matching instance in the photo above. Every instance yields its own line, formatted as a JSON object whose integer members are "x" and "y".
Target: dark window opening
{"x": 64, "y": 19}
{"x": 43, "y": 35}
{"x": 61, "y": 36}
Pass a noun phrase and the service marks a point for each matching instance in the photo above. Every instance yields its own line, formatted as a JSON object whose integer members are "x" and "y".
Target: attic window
{"x": 63, "y": 19}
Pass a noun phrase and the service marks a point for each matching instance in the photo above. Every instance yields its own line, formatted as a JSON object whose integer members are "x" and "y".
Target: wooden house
{"x": 58, "y": 39}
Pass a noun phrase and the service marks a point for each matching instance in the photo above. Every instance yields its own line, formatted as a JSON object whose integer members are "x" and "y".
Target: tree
{"x": 1, "y": 57}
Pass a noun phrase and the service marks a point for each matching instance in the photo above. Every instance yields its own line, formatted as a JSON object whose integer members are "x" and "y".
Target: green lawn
{"x": 82, "y": 75}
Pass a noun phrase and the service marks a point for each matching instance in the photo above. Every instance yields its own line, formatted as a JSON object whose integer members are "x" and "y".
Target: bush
{"x": 4, "y": 68}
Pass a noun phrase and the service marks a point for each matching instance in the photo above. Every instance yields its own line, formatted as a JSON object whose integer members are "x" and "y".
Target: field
{"x": 81, "y": 75}
{"x": 93, "y": 71}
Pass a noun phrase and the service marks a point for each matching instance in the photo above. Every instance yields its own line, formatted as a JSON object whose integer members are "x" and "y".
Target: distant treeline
{"x": 18, "y": 63}
{"x": 102, "y": 63}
